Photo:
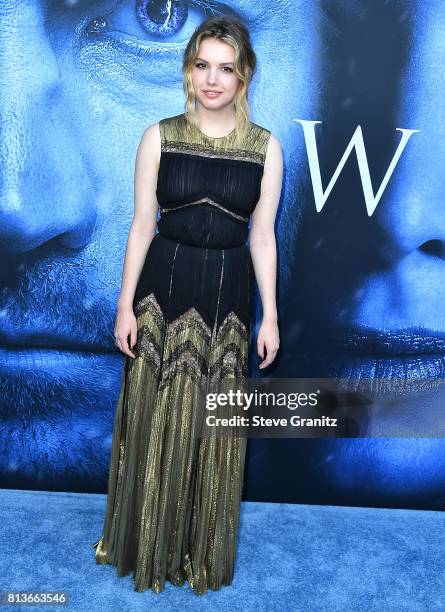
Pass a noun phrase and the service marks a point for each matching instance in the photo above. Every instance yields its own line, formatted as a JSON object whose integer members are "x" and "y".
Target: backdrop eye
{"x": 141, "y": 38}
{"x": 157, "y": 20}
{"x": 162, "y": 17}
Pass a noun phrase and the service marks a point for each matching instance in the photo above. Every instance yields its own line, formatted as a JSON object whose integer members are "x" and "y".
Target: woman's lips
{"x": 212, "y": 94}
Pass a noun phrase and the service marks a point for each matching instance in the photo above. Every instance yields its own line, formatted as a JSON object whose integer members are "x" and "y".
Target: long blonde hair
{"x": 234, "y": 33}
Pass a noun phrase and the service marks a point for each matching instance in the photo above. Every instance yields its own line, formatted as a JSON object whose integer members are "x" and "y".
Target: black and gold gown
{"x": 174, "y": 498}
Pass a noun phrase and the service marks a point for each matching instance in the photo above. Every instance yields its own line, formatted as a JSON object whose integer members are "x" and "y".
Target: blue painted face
{"x": 363, "y": 297}
{"x": 80, "y": 82}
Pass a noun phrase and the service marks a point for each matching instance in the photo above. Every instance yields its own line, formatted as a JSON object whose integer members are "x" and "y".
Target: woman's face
{"x": 213, "y": 71}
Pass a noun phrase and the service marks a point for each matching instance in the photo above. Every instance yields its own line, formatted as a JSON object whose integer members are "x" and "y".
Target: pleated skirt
{"x": 174, "y": 491}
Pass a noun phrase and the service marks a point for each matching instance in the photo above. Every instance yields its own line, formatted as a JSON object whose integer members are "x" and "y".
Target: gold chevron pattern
{"x": 187, "y": 344}
{"x": 192, "y": 512}
{"x": 207, "y": 200}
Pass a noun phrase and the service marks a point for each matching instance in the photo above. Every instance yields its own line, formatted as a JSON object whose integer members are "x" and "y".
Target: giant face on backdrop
{"x": 364, "y": 290}
{"x": 80, "y": 81}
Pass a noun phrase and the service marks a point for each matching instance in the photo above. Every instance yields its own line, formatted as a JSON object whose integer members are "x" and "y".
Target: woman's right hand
{"x": 125, "y": 326}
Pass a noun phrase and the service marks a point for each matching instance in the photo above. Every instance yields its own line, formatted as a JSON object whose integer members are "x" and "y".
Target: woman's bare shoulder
{"x": 149, "y": 149}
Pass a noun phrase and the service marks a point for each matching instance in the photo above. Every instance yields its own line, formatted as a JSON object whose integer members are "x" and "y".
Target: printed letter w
{"x": 356, "y": 143}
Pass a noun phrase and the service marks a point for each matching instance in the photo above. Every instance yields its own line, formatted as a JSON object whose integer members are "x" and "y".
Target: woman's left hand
{"x": 269, "y": 338}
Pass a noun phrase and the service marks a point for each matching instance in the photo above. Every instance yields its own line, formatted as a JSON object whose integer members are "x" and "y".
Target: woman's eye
{"x": 225, "y": 69}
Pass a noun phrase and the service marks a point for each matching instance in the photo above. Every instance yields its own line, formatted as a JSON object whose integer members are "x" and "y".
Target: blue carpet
{"x": 300, "y": 558}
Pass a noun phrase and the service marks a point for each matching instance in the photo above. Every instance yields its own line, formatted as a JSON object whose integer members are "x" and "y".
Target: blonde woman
{"x": 185, "y": 318}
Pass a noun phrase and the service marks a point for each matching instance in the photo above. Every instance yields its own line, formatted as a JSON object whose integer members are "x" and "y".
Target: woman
{"x": 186, "y": 308}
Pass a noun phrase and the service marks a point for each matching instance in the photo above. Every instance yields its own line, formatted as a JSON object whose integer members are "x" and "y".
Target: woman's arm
{"x": 142, "y": 232}
{"x": 263, "y": 249}
{"x": 143, "y": 226}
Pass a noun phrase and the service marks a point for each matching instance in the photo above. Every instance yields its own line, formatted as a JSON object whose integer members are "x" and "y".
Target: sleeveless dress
{"x": 173, "y": 503}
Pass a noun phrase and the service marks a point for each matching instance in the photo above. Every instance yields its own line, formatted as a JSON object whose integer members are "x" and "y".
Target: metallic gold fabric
{"x": 176, "y": 138}
{"x": 209, "y": 201}
{"x": 174, "y": 499}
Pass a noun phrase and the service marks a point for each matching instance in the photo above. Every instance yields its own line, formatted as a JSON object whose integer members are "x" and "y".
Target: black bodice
{"x": 208, "y": 187}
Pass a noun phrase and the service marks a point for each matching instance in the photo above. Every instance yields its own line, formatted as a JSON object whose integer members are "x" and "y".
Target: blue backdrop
{"x": 354, "y": 91}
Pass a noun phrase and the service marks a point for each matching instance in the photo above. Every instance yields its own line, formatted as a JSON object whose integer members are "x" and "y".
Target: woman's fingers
{"x": 271, "y": 354}
{"x": 122, "y": 345}
{"x": 260, "y": 347}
